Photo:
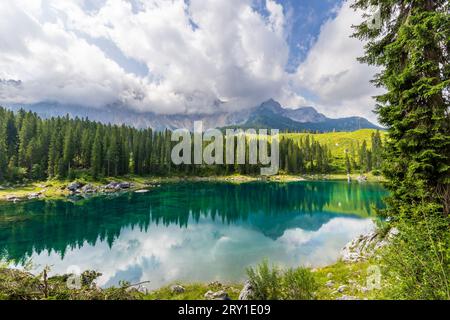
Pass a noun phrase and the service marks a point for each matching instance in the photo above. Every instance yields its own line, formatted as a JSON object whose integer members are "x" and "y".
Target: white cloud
{"x": 55, "y": 64}
{"x": 332, "y": 73}
{"x": 196, "y": 53}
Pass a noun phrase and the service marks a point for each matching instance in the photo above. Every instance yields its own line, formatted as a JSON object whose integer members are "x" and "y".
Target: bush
{"x": 276, "y": 284}
{"x": 299, "y": 284}
{"x": 417, "y": 264}
{"x": 265, "y": 281}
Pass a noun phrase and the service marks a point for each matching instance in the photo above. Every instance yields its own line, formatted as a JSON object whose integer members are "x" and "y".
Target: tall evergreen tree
{"x": 96, "y": 155}
{"x": 412, "y": 46}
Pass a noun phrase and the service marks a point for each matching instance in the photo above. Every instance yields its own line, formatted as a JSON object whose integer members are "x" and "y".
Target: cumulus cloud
{"x": 197, "y": 53}
{"x": 193, "y": 56}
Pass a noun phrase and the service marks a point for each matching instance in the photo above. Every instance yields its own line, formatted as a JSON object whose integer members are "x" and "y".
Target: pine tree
{"x": 112, "y": 155}
{"x": 68, "y": 150}
{"x": 362, "y": 156}
{"x": 11, "y": 135}
{"x": 377, "y": 149}
{"x": 413, "y": 48}
{"x": 3, "y": 154}
{"x": 96, "y": 155}
{"x": 26, "y": 133}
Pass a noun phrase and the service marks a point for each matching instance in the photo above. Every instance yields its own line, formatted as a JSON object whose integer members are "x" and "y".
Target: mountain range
{"x": 268, "y": 115}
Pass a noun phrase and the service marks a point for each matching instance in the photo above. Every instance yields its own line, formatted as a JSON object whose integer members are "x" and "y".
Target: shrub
{"x": 299, "y": 284}
{"x": 275, "y": 284}
{"x": 265, "y": 282}
{"x": 417, "y": 264}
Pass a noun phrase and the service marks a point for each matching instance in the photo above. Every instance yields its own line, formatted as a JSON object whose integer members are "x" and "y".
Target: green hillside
{"x": 339, "y": 142}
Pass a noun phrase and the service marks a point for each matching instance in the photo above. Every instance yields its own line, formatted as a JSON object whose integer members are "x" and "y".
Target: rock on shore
{"x": 247, "y": 292}
{"x": 366, "y": 245}
{"x": 79, "y": 188}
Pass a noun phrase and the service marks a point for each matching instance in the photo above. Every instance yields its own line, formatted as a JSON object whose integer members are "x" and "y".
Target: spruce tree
{"x": 96, "y": 155}
{"x": 412, "y": 49}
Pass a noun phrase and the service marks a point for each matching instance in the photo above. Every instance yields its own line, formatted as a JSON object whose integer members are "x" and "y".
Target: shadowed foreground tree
{"x": 411, "y": 47}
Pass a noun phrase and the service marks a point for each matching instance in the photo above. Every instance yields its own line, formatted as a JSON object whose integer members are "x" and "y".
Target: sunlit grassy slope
{"x": 338, "y": 142}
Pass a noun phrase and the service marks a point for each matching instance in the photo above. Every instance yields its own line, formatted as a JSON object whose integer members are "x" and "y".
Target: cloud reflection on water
{"x": 204, "y": 251}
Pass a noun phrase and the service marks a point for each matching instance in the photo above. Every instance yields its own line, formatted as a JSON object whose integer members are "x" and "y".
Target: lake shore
{"x": 57, "y": 189}
{"x": 340, "y": 281}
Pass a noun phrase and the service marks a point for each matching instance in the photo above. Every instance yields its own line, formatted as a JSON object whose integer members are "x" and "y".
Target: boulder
{"x": 36, "y": 195}
{"x": 74, "y": 186}
{"x": 365, "y": 246}
{"x": 118, "y": 186}
{"x": 12, "y": 198}
{"x": 219, "y": 295}
{"x": 125, "y": 185}
{"x": 89, "y": 188}
{"x": 177, "y": 289}
{"x": 247, "y": 292}
{"x": 341, "y": 289}
{"x": 112, "y": 186}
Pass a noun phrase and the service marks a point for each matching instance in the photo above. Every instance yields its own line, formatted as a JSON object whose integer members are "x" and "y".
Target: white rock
{"x": 220, "y": 295}
{"x": 342, "y": 288}
{"x": 365, "y": 245}
{"x": 247, "y": 292}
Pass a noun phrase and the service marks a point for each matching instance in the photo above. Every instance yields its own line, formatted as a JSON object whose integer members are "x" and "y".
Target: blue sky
{"x": 306, "y": 18}
{"x": 182, "y": 56}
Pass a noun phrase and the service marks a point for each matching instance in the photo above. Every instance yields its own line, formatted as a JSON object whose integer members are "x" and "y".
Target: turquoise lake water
{"x": 189, "y": 232}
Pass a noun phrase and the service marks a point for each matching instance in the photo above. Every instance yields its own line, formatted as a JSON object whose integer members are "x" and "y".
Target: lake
{"x": 190, "y": 232}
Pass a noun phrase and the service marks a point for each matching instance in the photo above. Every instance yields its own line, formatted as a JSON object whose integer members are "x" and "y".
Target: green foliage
{"x": 272, "y": 283}
{"x": 417, "y": 264}
{"x": 413, "y": 48}
{"x": 299, "y": 284}
{"x": 266, "y": 281}
{"x": 342, "y": 151}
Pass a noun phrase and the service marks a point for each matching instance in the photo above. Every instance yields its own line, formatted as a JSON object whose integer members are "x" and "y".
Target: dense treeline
{"x": 37, "y": 149}
{"x": 305, "y": 156}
